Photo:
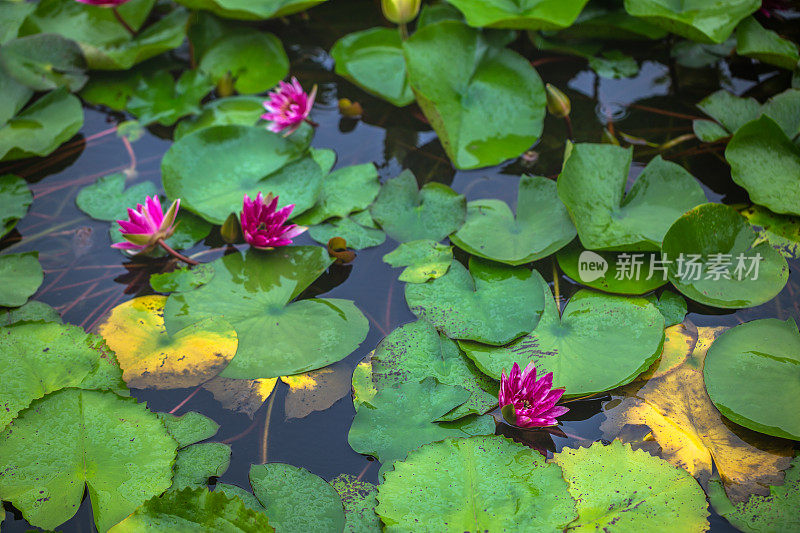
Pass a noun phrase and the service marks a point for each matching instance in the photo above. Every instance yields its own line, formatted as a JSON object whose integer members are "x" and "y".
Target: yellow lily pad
{"x": 679, "y": 343}
{"x": 693, "y": 435}
{"x": 316, "y": 390}
{"x": 241, "y": 395}
{"x": 151, "y": 358}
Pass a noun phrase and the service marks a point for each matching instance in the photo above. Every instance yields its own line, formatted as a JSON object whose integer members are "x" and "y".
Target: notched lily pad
{"x": 424, "y": 260}
{"x": 15, "y": 197}
{"x": 21, "y": 276}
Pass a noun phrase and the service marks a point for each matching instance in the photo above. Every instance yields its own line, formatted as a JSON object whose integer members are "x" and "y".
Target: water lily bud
{"x": 400, "y": 11}
{"x": 225, "y": 86}
{"x": 230, "y": 229}
{"x": 349, "y": 108}
{"x": 558, "y": 103}
{"x": 337, "y": 248}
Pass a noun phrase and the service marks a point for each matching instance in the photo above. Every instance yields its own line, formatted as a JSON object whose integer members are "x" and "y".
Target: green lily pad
{"x": 373, "y": 60}
{"x": 12, "y": 15}
{"x": 106, "y": 44}
{"x": 107, "y": 198}
{"x": 73, "y": 438}
{"x": 730, "y": 110}
{"x": 183, "y": 279}
{"x": 251, "y": 9}
{"x": 520, "y": 15}
{"x": 592, "y": 186}
{"x": 702, "y": 20}
{"x": 403, "y": 417}
{"x": 359, "y": 230}
{"x": 22, "y": 275}
{"x": 15, "y": 96}
{"x": 408, "y": 213}
{"x": 598, "y": 22}
{"x": 42, "y": 357}
{"x": 44, "y": 62}
{"x": 766, "y": 163}
{"x": 475, "y": 484}
{"x": 195, "y": 464}
{"x": 599, "y": 342}
{"x": 343, "y": 191}
{"x": 236, "y": 110}
{"x": 775, "y": 512}
{"x": 32, "y": 310}
{"x": 754, "y": 40}
{"x": 210, "y": 170}
{"x": 733, "y": 112}
{"x": 615, "y": 272}
{"x": 359, "y": 501}
{"x": 253, "y": 293}
{"x": 190, "y": 428}
{"x": 700, "y": 55}
{"x": 41, "y": 127}
{"x": 781, "y": 231}
{"x": 15, "y": 197}
{"x": 490, "y": 303}
{"x": 709, "y": 131}
{"x": 277, "y": 486}
{"x": 716, "y": 242}
{"x": 415, "y": 351}
{"x": 605, "y": 63}
{"x": 541, "y": 227}
{"x": 250, "y": 501}
{"x": 194, "y": 510}
{"x": 752, "y": 368}
{"x": 255, "y": 61}
{"x": 618, "y": 489}
{"x": 488, "y": 109}
{"x": 672, "y": 306}
{"x": 424, "y": 259}
{"x": 160, "y": 98}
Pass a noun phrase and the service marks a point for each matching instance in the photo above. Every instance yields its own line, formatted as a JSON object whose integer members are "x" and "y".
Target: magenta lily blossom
{"x": 263, "y": 226}
{"x": 288, "y": 107}
{"x": 103, "y": 3}
{"x": 527, "y": 402}
{"x": 146, "y": 225}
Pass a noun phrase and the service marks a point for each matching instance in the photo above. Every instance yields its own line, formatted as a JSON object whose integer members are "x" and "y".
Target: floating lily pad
{"x": 190, "y": 428}
{"x": 541, "y": 227}
{"x": 73, "y": 438}
{"x": 343, "y": 191}
{"x": 359, "y": 230}
{"x": 615, "y": 272}
{"x": 252, "y": 9}
{"x": 15, "y": 96}
{"x": 537, "y": 15}
{"x": 489, "y": 109}
{"x": 605, "y": 63}
{"x": 41, "y": 127}
{"x": 753, "y": 362}
{"x": 671, "y": 305}
{"x": 152, "y": 358}
{"x": 234, "y": 110}
{"x": 776, "y": 512}
{"x": 754, "y": 40}
{"x": 403, "y": 417}
{"x": 678, "y": 415}
{"x": 316, "y": 390}
{"x": 210, "y": 170}
{"x": 32, "y": 310}
{"x": 160, "y": 98}
{"x": 183, "y": 279}
{"x": 781, "y": 231}
{"x": 241, "y": 395}
{"x": 15, "y": 197}
{"x": 253, "y": 292}
{"x": 408, "y": 213}
{"x": 196, "y": 464}
{"x": 373, "y": 60}
{"x": 424, "y": 259}
{"x": 194, "y": 510}
{"x": 766, "y": 162}
{"x": 703, "y": 20}
{"x": 415, "y": 351}
{"x": 731, "y": 111}
{"x": 716, "y": 242}
{"x": 359, "y": 501}
{"x": 276, "y": 485}
{"x": 108, "y": 199}
{"x": 39, "y": 358}
{"x": 599, "y": 343}
{"x": 490, "y": 303}
{"x": 596, "y": 21}
{"x": 12, "y": 15}
{"x": 44, "y": 62}
{"x": 254, "y": 61}
{"x": 619, "y": 489}
{"x": 592, "y": 186}
{"x": 475, "y": 484}
{"x": 22, "y": 275}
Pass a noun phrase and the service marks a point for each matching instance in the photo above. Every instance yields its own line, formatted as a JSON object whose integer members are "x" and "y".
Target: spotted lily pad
{"x": 490, "y": 303}
{"x": 254, "y": 293}
{"x": 358, "y": 499}
{"x": 22, "y": 275}
{"x": 714, "y": 259}
{"x": 671, "y": 305}
{"x": 541, "y": 226}
{"x": 424, "y": 259}
{"x": 152, "y": 358}
{"x": 751, "y": 363}
{"x": 598, "y": 343}
{"x": 32, "y": 310}
{"x": 592, "y": 186}
{"x": 72, "y": 438}
{"x": 475, "y": 484}
{"x": 703, "y": 20}
{"x": 15, "y": 197}
{"x": 408, "y": 213}
{"x": 196, "y": 464}
{"x": 524, "y": 15}
{"x": 619, "y": 489}
{"x": 781, "y": 231}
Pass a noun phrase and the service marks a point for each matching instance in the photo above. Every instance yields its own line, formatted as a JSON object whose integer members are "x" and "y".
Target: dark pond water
{"x": 85, "y": 278}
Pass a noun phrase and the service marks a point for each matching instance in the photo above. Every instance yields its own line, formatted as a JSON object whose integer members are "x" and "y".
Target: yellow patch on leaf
{"x": 316, "y": 390}
{"x": 679, "y": 342}
{"x": 241, "y": 395}
{"x": 151, "y": 358}
{"x": 693, "y": 435}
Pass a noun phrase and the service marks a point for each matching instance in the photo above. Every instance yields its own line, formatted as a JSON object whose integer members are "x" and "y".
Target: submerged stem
{"x": 265, "y": 435}
{"x": 122, "y": 21}
{"x": 556, "y": 291}
{"x": 173, "y": 253}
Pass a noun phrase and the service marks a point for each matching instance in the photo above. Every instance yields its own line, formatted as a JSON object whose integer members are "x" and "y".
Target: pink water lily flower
{"x": 146, "y": 225}
{"x": 288, "y": 107}
{"x": 103, "y": 3}
{"x": 263, "y": 226}
{"x": 528, "y": 402}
